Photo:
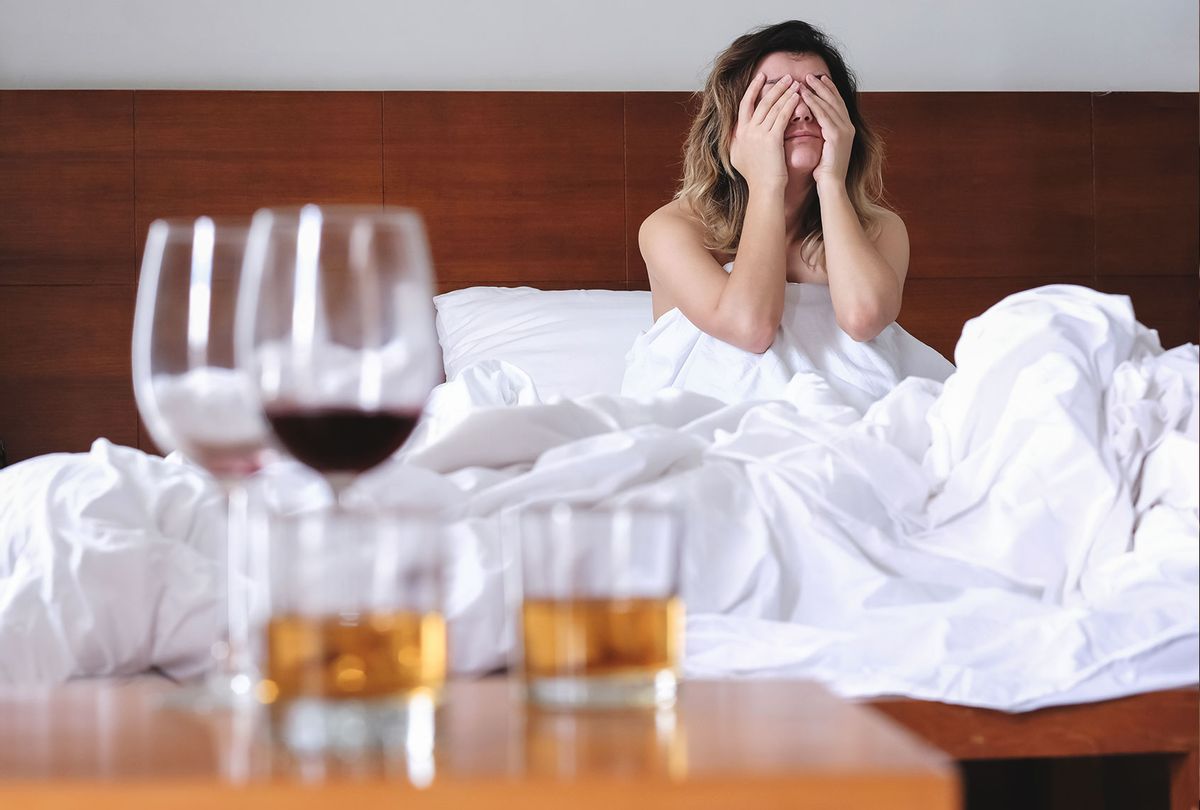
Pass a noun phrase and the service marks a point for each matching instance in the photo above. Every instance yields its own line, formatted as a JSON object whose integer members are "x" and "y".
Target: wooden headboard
{"x": 1000, "y": 191}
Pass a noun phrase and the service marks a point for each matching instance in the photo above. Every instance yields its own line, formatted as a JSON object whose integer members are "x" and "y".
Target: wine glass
{"x": 193, "y": 399}
{"x": 335, "y": 327}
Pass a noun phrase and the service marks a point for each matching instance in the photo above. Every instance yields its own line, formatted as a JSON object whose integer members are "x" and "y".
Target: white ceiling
{"x": 1094, "y": 45}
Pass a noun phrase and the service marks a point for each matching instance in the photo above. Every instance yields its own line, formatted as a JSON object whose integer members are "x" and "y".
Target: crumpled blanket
{"x": 809, "y": 344}
{"x": 1023, "y": 534}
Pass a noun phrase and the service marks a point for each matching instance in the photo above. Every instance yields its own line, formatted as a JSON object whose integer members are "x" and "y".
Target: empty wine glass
{"x": 335, "y": 326}
{"x": 192, "y": 397}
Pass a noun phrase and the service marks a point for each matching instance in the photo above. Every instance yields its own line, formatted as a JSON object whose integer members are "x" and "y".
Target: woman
{"x": 782, "y": 183}
{"x": 783, "y": 177}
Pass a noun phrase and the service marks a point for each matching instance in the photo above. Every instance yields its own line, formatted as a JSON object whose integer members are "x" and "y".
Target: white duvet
{"x": 1023, "y": 534}
{"x": 809, "y": 347}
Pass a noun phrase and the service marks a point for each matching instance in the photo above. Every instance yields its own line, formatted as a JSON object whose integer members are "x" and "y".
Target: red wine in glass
{"x": 341, "y": 439}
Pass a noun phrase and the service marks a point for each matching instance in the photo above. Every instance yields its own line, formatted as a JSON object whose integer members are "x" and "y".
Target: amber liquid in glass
{"x": 354, "y": 655}
{"x": 601, "y": 637}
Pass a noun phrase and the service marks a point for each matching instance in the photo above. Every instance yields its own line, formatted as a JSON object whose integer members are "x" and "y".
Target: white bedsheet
{"x": 675, "y": 354}
{"x": 1025, "y": 534}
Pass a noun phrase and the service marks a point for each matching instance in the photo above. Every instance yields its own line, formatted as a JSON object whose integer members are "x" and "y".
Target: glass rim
{"x": 556, "y": 508}
{"x": 373, "y": 513}
{"x": 177, "y": 226}
{"x": 337, "y": 212}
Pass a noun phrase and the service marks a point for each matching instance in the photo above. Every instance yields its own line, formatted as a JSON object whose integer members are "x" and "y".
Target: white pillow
{"x": 571, "y": 342}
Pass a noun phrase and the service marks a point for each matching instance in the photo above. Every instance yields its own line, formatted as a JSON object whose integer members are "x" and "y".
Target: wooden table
{"x": 110, "y": 744}
{"x": 1160, "y": 726}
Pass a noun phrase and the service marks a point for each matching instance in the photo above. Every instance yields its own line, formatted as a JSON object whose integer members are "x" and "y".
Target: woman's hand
{"x": 756, "y": 149}
{"x": 822, "y": 97}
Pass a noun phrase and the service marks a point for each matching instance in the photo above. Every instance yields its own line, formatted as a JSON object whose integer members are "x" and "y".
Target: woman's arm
{"x": 866, "y": 278}
{"x": 744, "y": 307}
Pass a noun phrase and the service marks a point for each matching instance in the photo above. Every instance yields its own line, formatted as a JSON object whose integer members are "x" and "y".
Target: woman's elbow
{"x": 750, "y": 332}
{"x": 864, "y": 324}
{"x": 756, "y": 337}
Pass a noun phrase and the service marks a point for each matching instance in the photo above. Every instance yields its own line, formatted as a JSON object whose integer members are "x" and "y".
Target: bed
{"x": 1001, "y": 192}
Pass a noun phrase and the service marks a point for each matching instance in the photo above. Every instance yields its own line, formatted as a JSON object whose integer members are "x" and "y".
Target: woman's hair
{"x": 718, "y": 193}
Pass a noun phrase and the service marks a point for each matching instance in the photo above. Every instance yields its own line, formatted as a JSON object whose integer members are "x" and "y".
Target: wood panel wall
{"x": 1000, "y": 191}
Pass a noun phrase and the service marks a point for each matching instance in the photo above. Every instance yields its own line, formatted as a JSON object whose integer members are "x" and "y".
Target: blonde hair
{"x": 718, "y": 194}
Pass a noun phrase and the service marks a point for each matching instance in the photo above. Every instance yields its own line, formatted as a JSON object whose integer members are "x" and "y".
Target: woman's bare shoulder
{"x": 891, "y": 240}
{"x": 673, "y": 226}
{"x": 889, "y": 222}
{"x": 675, "y": 216}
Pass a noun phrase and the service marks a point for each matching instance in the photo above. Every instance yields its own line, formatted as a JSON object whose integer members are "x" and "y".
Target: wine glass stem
{"x": 338, "y": 483}
{"x": 237, "y": 606}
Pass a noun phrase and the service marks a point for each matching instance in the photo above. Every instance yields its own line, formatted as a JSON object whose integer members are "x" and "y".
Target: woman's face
{"x": 802, "y": 139}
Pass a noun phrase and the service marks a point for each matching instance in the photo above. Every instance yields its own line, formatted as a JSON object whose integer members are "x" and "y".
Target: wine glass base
{"x": 215, "y": 693}
{"x": 319, "y": 726}
{"x": 648, "y": 690}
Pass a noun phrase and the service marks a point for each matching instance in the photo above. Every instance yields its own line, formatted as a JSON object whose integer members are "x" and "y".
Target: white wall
{"x": 586, "y": 44}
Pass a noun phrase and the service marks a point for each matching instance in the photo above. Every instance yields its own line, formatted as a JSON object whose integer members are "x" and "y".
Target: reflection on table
{"x": 748, "y": 743}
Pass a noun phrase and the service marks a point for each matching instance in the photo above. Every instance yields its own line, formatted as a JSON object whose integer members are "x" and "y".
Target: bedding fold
{"x": 1019, "y": 533}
